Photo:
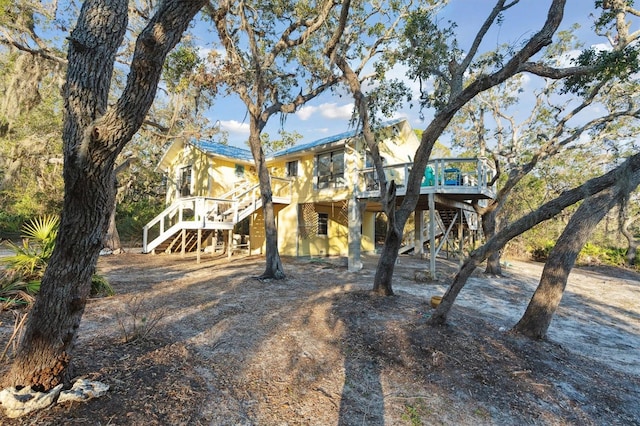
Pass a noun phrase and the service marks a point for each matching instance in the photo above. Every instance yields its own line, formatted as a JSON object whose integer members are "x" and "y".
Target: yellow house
{"x": 325, "y": 195}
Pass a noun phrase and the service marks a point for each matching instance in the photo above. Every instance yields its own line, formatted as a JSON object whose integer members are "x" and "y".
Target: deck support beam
{"x": 418, "y": 243}
{"x": 432, "y": 235}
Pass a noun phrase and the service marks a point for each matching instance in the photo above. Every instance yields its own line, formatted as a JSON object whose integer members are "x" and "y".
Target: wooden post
{"x": 199, "y": 245}
{"x": 230, "y": 244}
{"x": 184, "y": 242}
{"x": 418, "y": 233}
{"x": 461, "y": 237}
{"x": 432, "y": 235}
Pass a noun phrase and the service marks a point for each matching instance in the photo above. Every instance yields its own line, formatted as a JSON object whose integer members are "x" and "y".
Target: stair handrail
{"x": 177, "y": 206}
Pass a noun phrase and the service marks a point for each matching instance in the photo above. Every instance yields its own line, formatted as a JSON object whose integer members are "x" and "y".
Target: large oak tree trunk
{"x": 45, "y": 350}
{"x": 93, "y": 136}
{"x": 629, "y": 172}
{"x": 273, "y": 267}
{"x": 546, "y": 299}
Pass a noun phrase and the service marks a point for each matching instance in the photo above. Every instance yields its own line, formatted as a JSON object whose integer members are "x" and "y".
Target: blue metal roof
{"x": 314, "y": 144}
{"x": 328, "y": 140}
{"x": 216, "y": 148}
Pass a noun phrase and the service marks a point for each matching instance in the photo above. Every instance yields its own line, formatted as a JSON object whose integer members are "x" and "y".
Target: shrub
{"x": 15, "y": 291}
{"x": 39, "y": 238}
{"x": 20, "y": 281}
{"x": 540, "y": 253}
{"x": 100, "y": 286}
{"x": 594, "y": 254}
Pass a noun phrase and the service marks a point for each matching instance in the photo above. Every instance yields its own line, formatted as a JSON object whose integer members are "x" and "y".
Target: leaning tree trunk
{"x": 546, "y": 299}
{"x": 632, "y": 248}
{"x": 273, "y": 267}
{"x": 93, "y": 136}
{"x": 489, "y": 229}
{"x": 392, "y": 240}
{"x": 629, "y": 171}
{"x": 112, "y": 237}
{"x": 632, "y": 242}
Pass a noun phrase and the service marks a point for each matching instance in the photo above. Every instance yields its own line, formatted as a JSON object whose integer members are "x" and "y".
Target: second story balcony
{"x": 461, "y": 179}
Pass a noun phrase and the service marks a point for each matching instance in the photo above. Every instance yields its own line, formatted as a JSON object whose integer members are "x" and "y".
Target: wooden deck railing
{"x": 211, "y": 212}
{"x": 441, "y": 175}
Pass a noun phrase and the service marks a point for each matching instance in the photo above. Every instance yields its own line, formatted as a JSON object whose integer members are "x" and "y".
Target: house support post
{"x": 432, "y": 235}
{"x": 184, "y": 242}
{"x": 461, "y": 238}
{"x": 354, "y": 263}
{"x": 199, "y": 245}
{"x": 419, "y": 232}
{"x": 230, "y": 244}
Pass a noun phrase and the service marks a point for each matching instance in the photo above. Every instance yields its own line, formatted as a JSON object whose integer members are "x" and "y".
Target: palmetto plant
{"x": 39, "y": 239}
{"x": 20, "y": 281}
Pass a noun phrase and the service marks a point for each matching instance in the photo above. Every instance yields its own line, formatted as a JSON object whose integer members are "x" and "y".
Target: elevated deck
{"x": 455, "y": 182}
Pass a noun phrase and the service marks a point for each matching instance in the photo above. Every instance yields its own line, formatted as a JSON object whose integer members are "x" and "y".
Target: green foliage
{"x": 100, "y": 286}
{"x": 10, "y": 224}
{"x": 287, "y": 139}
{"x": 132, "y": 215}
{"x": 181, "y": 64}
{"x": 428, "y": 51}
{"x": 591, "y": 254}
{"x": 416, "y": 413}
{"x": 620, "y": 64}
{"x": 595, "y": 254}
{"x": 387, "y": 97}
{"x": 20, "y": 281}
{"x": 15, "y": 291}
{"x": 30, "y": 259}
{"x": 540, "y": 251}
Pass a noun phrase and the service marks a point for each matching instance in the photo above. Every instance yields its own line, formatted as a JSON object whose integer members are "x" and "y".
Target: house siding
{"x": 214, "y": 173}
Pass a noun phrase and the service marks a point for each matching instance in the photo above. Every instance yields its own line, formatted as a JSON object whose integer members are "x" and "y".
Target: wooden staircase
{"x": 447, "y": 220}
{"x": 187, "y": 222}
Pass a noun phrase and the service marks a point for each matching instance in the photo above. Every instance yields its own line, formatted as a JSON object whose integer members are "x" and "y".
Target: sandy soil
{"x": 221, "y": 347}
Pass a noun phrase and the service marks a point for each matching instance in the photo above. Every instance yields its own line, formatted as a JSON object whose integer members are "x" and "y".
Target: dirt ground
{"x": 220, "y": 347}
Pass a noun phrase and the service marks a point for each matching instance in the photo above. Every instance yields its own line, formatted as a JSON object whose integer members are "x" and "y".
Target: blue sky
{"x": 329, "y": 114}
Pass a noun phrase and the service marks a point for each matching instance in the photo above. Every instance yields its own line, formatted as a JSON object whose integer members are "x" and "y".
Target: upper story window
{"x": 239, "y": 170}
{"x": 184, "y": 185}
{"x": 292, "y": 168}
{"x": 330, "y": 169}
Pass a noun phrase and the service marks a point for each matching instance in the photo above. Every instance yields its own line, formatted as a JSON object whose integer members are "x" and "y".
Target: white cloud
{"x": 235, "y": 127}
{"x": 330, "y": 110}
{"x": 333, "y": 111}
{"x": 305, "y": 112}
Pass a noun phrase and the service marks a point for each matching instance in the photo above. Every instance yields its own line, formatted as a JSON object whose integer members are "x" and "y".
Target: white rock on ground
{"x": 18, "y": 403}
{"x": 83, "y": 390}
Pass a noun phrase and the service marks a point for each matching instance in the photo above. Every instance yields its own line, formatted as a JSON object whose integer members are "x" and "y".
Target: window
{"x": 292, "y": 168}
{"x": 323, "y": 224}
{"x": 330, "y": 169}
{"x": 239, "y": 170}
{"x": 184, "y": 185}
